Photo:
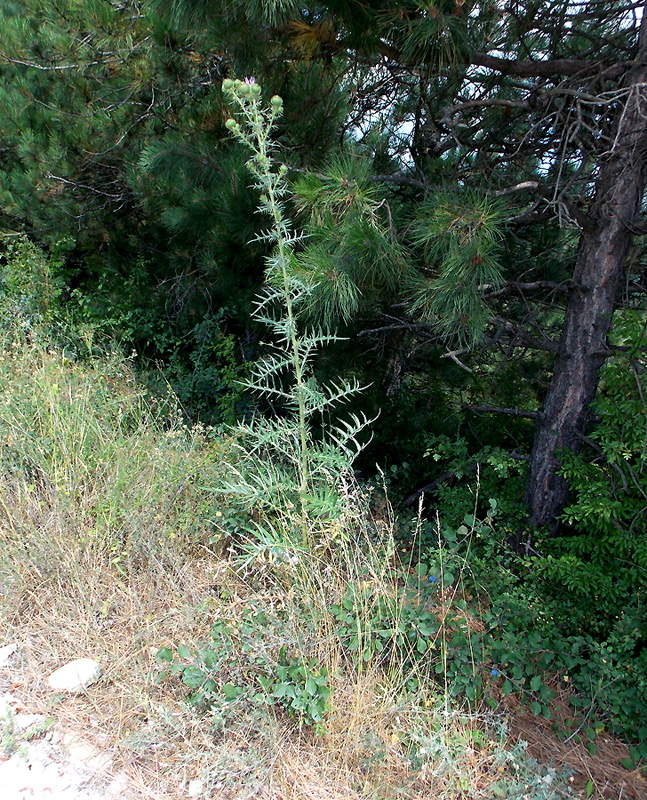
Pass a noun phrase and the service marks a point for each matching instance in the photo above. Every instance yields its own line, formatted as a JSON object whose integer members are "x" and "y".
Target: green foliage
{"x": 237, "y": 666}
{"x": 13, "y": 736}
{"x": 495, "y": 473}
{"x": 377, "y": 627}
{"x": 300, "y": 687}
{"x": 74, "y": 76}
{"x": 462, "y": 242}
{"x": 425, "y": 625}
{"x": 352, "y": 246}
{"x": 590, "y": 576}
{"x": 437, "y": 35}
{"x": 195, "y": 12}
{"x": 534, "y": 629}
{"x": 30, "y": 283}
{"x": 205, "y": 372}
{"x": 609, "y": 483}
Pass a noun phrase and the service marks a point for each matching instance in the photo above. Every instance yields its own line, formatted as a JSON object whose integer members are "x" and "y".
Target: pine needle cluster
{"x": 462, "y": 241}
{"x": 352, "y": 249}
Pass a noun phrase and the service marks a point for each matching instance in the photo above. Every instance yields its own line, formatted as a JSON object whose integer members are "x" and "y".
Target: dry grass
{"x": 105, "y": 538}
{"x": 160, "y": 744}
{"x": 603, "y": 769}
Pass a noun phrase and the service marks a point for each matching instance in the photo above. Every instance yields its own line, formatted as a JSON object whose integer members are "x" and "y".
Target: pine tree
{"x": 464, "y": 170}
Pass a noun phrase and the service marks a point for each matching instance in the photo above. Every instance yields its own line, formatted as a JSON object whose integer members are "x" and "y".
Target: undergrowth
{"x": 112, "y": 547}
{"x": 313, "y": 640}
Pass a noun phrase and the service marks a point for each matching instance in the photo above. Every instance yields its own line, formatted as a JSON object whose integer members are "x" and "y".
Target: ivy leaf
{"x": 193, "y": 677}
{"x": 230, "y": 691}
{"x": 164, "y": 654}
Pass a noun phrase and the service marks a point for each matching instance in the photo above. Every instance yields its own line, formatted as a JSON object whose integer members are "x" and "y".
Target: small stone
{"x": 86, "y": 753}
{"x": 25, "y": 721}
{"x": 6, "y": 707}
{"x": 117, "y": 786}
{"x": 75, "y": 676}
{"x": 196, "y": 787}
{"x": 6, "y": 652}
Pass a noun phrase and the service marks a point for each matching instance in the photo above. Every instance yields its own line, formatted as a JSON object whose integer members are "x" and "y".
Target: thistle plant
{"x": 295, "y": 482}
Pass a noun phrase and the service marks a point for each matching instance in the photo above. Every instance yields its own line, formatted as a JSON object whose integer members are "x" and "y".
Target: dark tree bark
{"x": 600, "y": 263}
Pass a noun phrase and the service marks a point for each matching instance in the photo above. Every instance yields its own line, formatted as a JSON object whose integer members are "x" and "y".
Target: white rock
{"x": 6, "y": 652}
{"x": 41, "y": 772}
{"x": 86, "y": 753}
{"x": 24, "y": 721}
{"x": 75, "y": 676}
{"x": 6, "y": 705}
{"x": 117, "y": 786}
{"x": 196, "y": 787}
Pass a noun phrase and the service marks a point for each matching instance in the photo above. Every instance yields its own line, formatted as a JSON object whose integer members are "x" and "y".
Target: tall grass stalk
{"x": 91, "y": 466}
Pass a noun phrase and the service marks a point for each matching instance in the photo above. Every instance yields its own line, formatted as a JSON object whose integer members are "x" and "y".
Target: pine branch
{"x": 512, "y": 412}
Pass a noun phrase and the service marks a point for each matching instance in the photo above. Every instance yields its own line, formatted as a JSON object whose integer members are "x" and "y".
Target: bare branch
{"x": 519, "y": 187}
{"x": 552, "y": 285}
{"x": 77, "y": 185}
{"x": 50, "y": 68}
{"x": 431, "y": 486}
{"x": 402, "y": 179}
{"x": 511, "y": 412}
{"x": 450, "y": 111}
{"x": 551, "y": 67}
{"x": 453, "y": 354}
{"x": 522, "y": 338}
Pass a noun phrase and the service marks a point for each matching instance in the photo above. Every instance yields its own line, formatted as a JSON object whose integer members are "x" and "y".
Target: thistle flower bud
{"x": 231, "y": 124}
{"x": 244, "y": 89}
{"x": 256, "y": 89}
{"x": 227, "y": 85}
{"x": 262, "y": 160}
{"x": 277, "y": 101}
{"x": 283, "y": 170}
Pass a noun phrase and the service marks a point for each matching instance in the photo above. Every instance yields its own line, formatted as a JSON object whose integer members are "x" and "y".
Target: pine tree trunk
{"x": 598, "y": 272}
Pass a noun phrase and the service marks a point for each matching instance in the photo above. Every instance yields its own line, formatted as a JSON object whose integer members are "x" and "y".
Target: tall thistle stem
{"x": 259, "y": 125}
{"x": 283, "y": 258}
{"x": 284, "y": 459}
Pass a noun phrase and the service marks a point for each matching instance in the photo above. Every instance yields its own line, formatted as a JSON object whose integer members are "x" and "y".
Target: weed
{"x": 293, "y": 480}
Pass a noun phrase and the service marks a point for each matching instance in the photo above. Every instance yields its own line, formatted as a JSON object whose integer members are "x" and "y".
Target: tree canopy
{"x": 470, "y": 177}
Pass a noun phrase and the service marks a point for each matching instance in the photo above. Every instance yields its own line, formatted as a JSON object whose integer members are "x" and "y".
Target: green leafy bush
{"x": 31, "y": 283}
{"x": 372, "y": 625}
{"x": 236, "y": 665}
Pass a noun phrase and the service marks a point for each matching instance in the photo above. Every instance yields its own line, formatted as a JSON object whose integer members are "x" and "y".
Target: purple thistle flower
{"x": 250, "y": 81}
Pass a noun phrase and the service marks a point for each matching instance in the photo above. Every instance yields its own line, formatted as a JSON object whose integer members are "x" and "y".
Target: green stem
{"x": 270, "y": 180}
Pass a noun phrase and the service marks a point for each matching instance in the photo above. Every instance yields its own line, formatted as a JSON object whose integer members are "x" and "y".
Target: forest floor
{"x": 109, "y": 551}
{"x": 125, "y": 734}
